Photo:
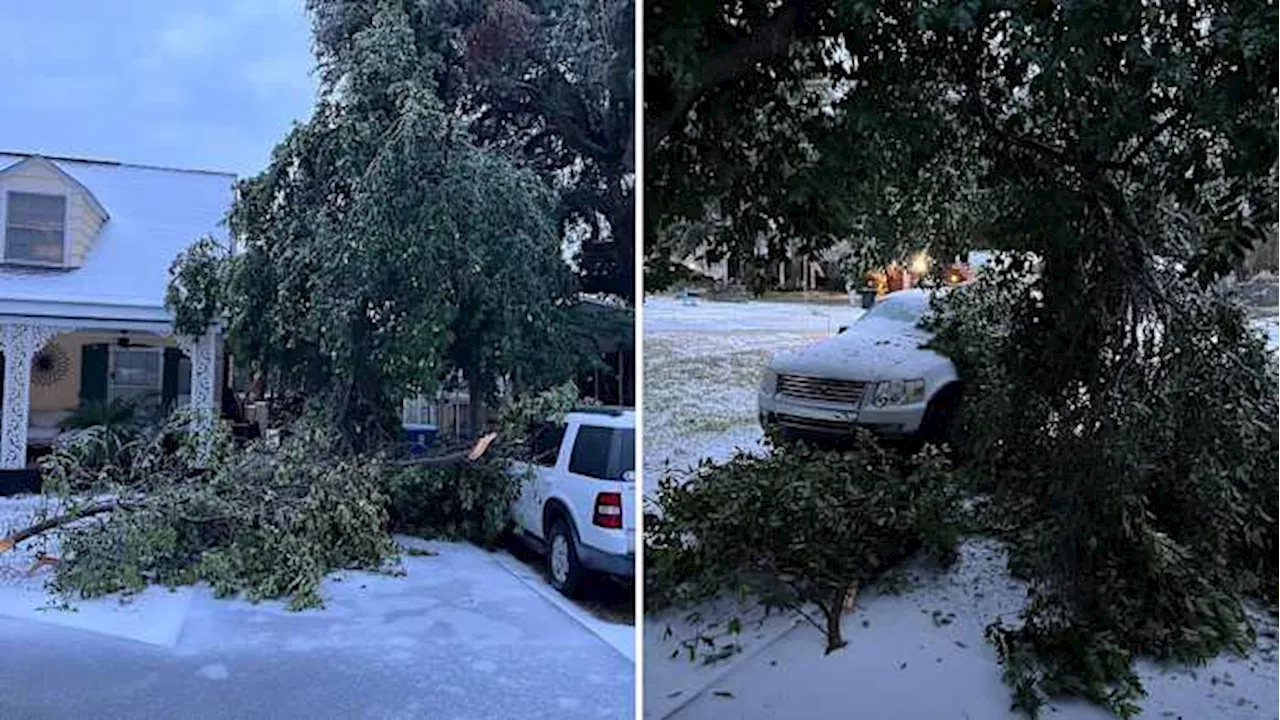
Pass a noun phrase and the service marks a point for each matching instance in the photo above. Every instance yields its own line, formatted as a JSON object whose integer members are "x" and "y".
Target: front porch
{"x": 53, "y": 365}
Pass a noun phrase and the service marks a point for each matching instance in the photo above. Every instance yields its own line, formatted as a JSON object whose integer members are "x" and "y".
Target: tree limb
{"x": 461, "y": 457}
{"x": 1151, "y": 137}
{"x": 768, "y": 42}
{"x": 12, "y": 539}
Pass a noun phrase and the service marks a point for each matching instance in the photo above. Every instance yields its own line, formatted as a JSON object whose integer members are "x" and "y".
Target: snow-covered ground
{"x": 702, "y": 364}
{"x": 1270, "y": 327}
{"x": 464, "y": 633}
{"x": 916, "y": 654}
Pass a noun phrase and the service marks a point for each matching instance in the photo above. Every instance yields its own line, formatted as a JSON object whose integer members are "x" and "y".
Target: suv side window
{"x": 602, "y": 452}
{"x": 544, "y": 444}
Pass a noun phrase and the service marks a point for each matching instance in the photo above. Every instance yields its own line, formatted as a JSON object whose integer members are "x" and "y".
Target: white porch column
{"x": 19, "y": 342}
{"x": 203, "y": 352}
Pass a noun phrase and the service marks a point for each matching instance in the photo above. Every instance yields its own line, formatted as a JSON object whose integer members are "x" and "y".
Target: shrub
{"x": 798, "y": 527}
{"x": 107, "y": 432}
{"x": 452, "y": 503}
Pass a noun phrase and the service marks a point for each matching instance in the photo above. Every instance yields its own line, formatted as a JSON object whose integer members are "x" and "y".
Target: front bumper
{"x": 835, "y": 419}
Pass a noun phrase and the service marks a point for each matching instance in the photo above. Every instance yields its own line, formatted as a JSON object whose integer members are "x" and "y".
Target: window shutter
{"x": 93, "y": 373}
{"x": 169, "y": 382}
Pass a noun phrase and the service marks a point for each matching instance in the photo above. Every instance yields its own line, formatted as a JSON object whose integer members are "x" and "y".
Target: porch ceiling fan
{"x": 125, "y": 341}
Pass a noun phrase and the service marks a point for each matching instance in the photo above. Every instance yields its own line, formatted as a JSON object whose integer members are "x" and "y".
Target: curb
{"x": 726, "y": 670}
{"x": 579, "y": 615}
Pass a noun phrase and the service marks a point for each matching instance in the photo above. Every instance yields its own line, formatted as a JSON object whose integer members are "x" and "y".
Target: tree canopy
{"x": 548, "y": 80}
{"x": 383, "y": 248}
{"x": 941, "y": 123}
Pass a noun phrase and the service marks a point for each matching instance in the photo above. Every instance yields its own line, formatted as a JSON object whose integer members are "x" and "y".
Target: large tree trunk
{"x": 833, "y": 612}
{"x": 477, "y": 407}
{"x": 366, "y": 419}
{"x": 622, "y": 223}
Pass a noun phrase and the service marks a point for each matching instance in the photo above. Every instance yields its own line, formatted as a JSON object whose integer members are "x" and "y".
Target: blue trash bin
{"x": 420, "y": 436}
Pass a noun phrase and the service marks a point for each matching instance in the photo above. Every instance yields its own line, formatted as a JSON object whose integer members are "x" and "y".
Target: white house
{"x": 85, "y": 249}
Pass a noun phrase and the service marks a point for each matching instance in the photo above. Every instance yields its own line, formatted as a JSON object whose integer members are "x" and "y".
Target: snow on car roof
{"x": 154, "y": 214}
{"x": 604, "y": 417}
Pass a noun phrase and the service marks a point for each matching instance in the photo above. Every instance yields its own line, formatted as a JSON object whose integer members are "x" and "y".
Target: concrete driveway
{"x": 459, "y": 636}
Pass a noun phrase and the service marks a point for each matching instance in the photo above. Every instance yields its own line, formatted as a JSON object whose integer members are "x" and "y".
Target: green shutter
{"x": 93, "y": 373}
{"x": 169, "y": 382}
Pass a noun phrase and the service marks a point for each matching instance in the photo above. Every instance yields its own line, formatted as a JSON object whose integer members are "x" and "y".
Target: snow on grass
{"x": 702, "y": 365}
{"x": 157, "y": 615}
{"x": 154, "y": 616}
{"x": 918, "y": 654}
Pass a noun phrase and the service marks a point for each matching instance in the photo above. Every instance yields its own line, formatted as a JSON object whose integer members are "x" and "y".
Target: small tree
{"x": 798, "y": 528}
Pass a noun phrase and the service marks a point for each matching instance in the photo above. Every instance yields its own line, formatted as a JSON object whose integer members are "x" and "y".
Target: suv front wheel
{"x": 562, "y": 559}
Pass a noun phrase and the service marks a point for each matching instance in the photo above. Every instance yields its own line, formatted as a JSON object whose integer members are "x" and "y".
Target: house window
{"x": 136, "y": 373}
{"x": 35, "y": 228}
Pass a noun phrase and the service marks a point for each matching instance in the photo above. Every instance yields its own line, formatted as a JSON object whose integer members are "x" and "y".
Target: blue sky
{"x": 210, "y": 84}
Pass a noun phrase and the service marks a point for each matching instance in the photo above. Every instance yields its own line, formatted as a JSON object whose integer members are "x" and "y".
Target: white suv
{"x": 874, "y": 374}
{"x": 576, "y": 504}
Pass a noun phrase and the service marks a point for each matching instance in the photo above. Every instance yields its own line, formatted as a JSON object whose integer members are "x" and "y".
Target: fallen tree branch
{"x": 11, "y": 540}
{"x": 475, "y": 452}
{"x": 460, "y": 457}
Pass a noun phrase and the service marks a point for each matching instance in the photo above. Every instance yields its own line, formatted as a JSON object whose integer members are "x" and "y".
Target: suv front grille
{"x": 848, "y": 392}
{"x": 825, "y": 427}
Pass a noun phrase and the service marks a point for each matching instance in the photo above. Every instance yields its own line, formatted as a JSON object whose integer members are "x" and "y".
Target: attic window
{"x": 35, "y": 228}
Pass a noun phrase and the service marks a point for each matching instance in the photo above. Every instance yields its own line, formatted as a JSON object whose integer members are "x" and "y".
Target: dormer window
{"x": 35, "y": 228}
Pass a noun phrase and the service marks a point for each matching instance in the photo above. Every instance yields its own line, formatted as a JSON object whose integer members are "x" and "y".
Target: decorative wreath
{"x": 49, "y": 365}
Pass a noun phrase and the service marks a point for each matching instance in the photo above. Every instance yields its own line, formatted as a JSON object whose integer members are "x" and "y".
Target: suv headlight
{"x": 898, "y": 392}
{"x": 769, "y": 382}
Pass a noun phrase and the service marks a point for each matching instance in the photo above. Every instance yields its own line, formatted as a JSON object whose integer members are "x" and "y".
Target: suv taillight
{"x": 608, "y": 511}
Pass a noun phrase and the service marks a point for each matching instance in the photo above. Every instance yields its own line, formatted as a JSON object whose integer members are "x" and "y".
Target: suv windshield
{"x": 604, "y": 453}
{"x": 905, "y": 308}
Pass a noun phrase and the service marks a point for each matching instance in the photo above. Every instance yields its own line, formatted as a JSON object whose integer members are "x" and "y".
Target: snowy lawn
{"x": 915, "y": 651}
{"x": 154, "y": 616}
{"x": 702, "y": 364}
{"x": 462, "y": 634}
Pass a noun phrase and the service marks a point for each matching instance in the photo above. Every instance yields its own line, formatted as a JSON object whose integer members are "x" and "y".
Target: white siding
{"x": 84, "y": 226}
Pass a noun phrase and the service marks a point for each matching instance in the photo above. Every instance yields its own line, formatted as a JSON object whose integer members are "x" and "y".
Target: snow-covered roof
{"x": 153, "y": 214}
{"x": 69, "y": 179}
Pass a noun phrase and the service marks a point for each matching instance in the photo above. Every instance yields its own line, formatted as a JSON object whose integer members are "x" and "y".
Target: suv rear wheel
{"x": 562, "y": 560}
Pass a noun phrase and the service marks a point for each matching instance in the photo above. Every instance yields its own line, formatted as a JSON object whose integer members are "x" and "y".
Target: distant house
{"x": 793, "y": 271}
{"x": 85, "y": 248}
